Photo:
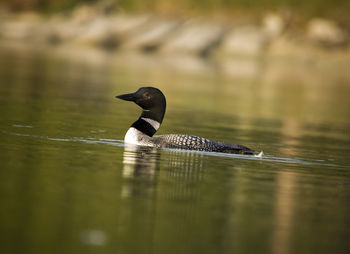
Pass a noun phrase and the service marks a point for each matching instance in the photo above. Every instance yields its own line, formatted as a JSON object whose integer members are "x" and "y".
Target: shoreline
{"x": 89, "y": 26}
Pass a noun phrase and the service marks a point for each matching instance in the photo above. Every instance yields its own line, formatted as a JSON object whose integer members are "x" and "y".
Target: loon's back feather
{"x": 188, "y": 142}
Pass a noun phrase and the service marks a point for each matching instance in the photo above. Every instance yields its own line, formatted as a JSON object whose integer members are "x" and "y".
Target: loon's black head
{"x": 150, "y": 99}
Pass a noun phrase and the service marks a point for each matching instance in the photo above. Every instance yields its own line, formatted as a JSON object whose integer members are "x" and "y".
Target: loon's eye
{"x": 147, "y": 95}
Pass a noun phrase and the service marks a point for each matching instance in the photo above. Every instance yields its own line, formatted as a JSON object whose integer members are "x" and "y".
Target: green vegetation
{"x": 336, "y": 9}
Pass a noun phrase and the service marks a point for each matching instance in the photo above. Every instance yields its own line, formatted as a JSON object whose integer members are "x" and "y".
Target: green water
{"x": 69, "y": 185}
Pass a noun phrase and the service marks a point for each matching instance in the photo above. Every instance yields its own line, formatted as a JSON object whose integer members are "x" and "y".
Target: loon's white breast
{"x": 135, "y": 137}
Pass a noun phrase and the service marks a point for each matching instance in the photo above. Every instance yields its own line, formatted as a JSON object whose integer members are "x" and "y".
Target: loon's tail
{"x": 259, "y": 155}
{"x": 234, "y": 148}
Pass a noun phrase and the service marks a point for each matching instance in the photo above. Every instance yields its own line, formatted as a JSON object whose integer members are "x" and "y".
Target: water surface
{"x": 68, "y": 183}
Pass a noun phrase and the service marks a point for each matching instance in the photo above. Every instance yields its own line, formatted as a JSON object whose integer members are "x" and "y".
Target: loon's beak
{"x": 127, "y": 97}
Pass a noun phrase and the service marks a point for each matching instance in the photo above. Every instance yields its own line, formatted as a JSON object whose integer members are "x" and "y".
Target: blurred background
{"x": 336, "y": 9}
{"x": 271, "y": 74}
{"x": 243, "y": 27}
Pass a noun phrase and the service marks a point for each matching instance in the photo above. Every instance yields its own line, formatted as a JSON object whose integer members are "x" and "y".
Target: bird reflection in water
{"x": 158, "y": 183}
{"x": 140, "y": 164}
{"x": 141, "y": 169}
{"x": 140, "y": 161}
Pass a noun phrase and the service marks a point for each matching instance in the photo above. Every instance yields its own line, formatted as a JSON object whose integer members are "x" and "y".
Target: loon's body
{"x": 142, "y": 131}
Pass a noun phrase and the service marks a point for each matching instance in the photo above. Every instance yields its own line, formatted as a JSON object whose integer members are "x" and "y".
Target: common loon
{"x": 141, "y": 132}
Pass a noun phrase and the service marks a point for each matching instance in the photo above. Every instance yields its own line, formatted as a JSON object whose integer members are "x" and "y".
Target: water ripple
{"x": 120, "y": 143}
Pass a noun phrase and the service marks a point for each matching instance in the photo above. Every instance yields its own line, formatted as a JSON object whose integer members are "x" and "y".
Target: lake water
{"x": 69, "y": 185}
